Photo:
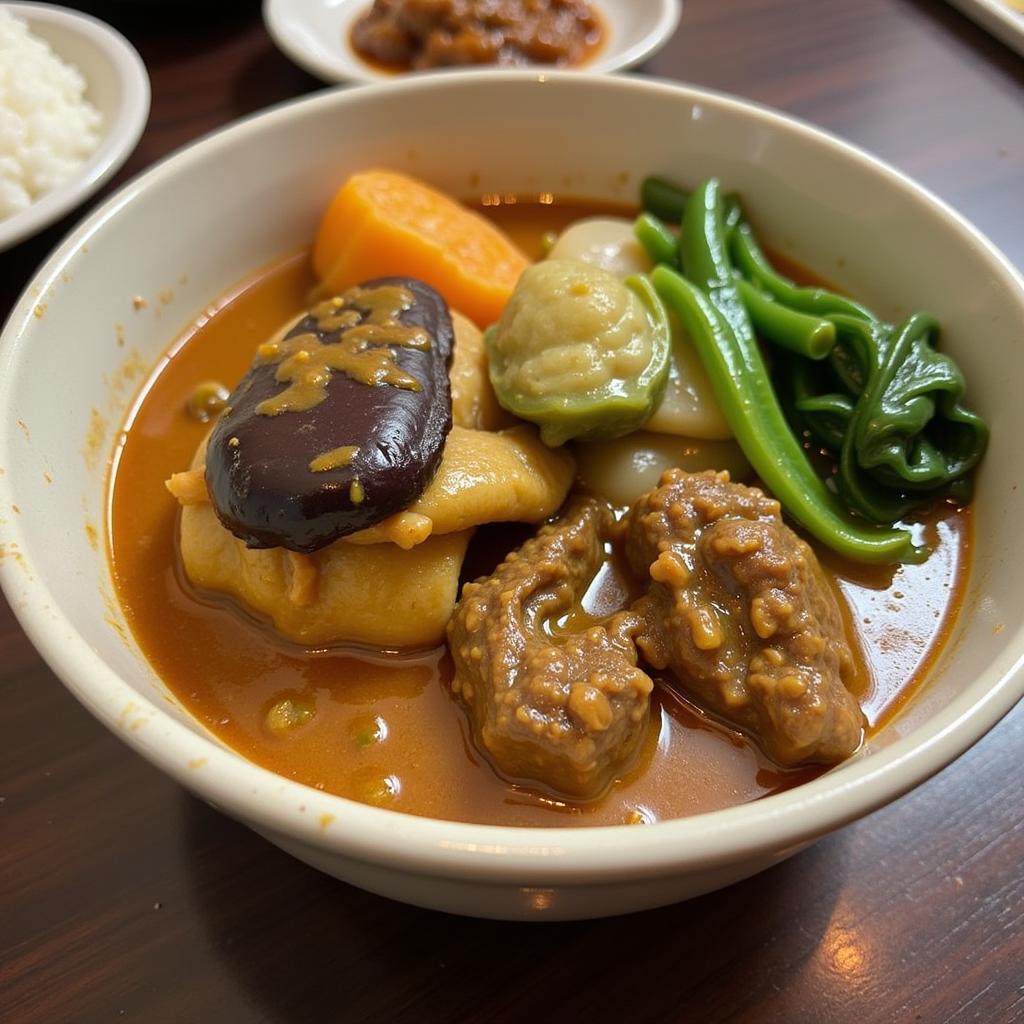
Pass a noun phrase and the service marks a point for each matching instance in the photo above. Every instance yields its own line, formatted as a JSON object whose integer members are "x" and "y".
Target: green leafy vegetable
{"x": 891, "y": 407}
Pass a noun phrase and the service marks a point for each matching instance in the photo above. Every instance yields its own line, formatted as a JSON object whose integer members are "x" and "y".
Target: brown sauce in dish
{"x": 386, "y": 729}
{"x": 407, "y": 35}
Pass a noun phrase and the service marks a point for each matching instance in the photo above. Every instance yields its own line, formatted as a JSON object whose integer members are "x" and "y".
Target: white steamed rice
{"x": 47, "y": 127}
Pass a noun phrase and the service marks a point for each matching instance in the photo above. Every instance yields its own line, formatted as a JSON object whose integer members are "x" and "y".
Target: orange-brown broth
{"x": 386, "y": 729}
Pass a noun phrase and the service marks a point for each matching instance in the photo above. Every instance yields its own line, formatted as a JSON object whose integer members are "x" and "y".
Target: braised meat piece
{"x": 565, "y": 710}
{"x": 740, "y": 612}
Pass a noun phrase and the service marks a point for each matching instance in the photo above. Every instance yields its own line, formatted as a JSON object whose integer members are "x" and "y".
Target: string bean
{"x": 657, "y": 239}
{"x": 663, "y": 199}
{"x": 809, "y": 336}
{"x": 754, "y": 265}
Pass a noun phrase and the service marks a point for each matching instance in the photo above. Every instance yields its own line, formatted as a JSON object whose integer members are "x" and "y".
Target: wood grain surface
{"x": 122, "y": 898}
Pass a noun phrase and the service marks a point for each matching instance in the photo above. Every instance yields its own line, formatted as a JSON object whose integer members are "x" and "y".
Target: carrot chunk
{"x": 381, "y": 223}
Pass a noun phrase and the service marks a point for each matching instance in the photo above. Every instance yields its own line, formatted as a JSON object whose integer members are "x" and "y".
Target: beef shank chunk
{"x": 563, "y": 710}
{"x": 740, "y": 612}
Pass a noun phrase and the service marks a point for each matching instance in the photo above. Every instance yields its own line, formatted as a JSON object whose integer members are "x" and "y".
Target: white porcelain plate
{"x": 315, "y": 34}
{"x": 117, "y": 85}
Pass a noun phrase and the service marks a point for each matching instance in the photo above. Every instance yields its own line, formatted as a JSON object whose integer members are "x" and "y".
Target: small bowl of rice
{"x": 74, "y": 99}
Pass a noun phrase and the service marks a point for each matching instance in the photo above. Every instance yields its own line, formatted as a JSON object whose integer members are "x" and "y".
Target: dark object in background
{"x": 174, "y": 16}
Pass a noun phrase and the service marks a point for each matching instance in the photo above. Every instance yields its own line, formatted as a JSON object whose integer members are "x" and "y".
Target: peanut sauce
{"x": 362, "y": 352}
{"x": 334, "y": 459}
{"x": 382, "y": 727}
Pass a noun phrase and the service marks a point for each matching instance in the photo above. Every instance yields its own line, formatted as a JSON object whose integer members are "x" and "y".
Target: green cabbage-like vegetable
{"x": 890, "y": 406}
{"x": 580, "y": 352}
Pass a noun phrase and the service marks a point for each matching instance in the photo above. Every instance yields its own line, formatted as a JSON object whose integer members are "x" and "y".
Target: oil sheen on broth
{"x": 386, "y": 730}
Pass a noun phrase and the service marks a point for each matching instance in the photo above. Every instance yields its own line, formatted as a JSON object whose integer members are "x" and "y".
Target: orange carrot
{"x": 383, "y": 223}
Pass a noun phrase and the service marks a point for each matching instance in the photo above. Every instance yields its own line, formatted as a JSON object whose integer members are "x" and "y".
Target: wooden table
{"x": 121, "y": 897}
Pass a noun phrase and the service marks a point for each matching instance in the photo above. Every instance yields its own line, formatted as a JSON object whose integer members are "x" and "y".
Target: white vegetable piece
{"x": 623, "y": 469}
{"x": 689, "y": 408}
{"x": 605, "y": 242}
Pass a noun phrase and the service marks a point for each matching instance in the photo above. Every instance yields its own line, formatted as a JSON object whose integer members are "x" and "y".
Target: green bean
{"x": 732, "y": 213}
{"x": 809, "y": 336}
{"x": 755, "y": 267}
{"x": 663, "y": 199}
{"x": 666, "y": 202}
{"x": 705, "y": 257}
{"x": 740, "y": 381}
{"x": 657, "y": 238}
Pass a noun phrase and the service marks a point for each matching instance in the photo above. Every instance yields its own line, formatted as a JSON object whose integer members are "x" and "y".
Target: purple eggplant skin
{"x": 258, "y": 466}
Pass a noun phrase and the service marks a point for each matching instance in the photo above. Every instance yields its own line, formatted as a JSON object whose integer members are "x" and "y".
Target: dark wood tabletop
{"x": 123, "y": 898}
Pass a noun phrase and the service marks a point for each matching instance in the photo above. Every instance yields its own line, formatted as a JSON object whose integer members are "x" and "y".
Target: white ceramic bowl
{"x": 188, "y": 227}
{"x": 315, "y": 34}
{"x": 117, "y": 85}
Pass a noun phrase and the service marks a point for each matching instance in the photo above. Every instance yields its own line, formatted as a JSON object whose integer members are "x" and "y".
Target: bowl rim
{"x": 120, "y": 136}
{"x": 278, "y": 16}
{"x": 436, "y": 847}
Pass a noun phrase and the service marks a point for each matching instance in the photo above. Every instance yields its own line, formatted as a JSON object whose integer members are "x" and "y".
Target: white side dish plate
{"x": 315, "y": 34}
{"x": 117, "y": 85}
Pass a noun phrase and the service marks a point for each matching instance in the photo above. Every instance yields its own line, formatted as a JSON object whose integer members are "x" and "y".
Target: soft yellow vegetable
{"x": 377, "y": 594}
